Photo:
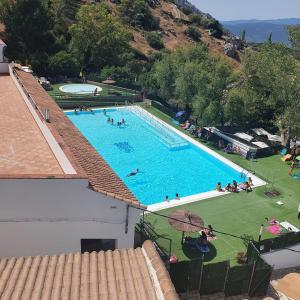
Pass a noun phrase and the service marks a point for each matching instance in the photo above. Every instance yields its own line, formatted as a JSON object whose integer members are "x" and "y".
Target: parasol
{"x": 180, "y": 113}
{"x": 185, "y": 221}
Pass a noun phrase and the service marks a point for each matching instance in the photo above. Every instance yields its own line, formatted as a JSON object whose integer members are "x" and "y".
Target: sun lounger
{"x": 271, "y": 137}
{"x": 289, "y": 226}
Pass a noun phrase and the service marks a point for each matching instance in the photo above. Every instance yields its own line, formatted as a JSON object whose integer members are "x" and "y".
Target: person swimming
{"x": 133, "y": 173}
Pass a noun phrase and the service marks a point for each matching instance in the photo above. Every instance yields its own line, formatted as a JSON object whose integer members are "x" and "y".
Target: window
{"x": 90, "y": 245}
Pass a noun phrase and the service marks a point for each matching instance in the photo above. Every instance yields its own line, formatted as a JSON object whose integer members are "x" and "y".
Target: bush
{"x": 63, "y": 63}
{"x": 122, "y": 75}
{"x": 214, "y": 26}
{"x": 196, "y": 19}
{"x": 138, "y": 14}
{"x": 154, "y": 40}
{"x": 193, "y": 32}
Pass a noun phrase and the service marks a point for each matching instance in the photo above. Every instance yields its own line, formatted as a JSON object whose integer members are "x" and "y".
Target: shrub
{"x": 214, "y": 26}
{"x": 154, "y": 40}
{"x": 193, "y": 32}
{"x": 196, "y": 19}
{"x": 137, "y": 13}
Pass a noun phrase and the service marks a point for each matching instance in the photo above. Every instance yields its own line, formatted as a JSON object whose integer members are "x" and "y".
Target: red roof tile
{"x": 120, "y": 274}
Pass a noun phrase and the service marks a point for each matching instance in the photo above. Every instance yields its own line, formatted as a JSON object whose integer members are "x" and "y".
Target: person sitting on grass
{"x": 234, "y": 187}
{"x": 246, "y": 187}
{"x": 185, "y": 125}
{"x": 228, "y": 187}
{"x": 219, "y": 187}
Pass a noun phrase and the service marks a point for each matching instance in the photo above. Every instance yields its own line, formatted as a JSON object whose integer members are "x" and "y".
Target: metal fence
{"x": 193, "y": 276}
{"x": 251, "y": 278}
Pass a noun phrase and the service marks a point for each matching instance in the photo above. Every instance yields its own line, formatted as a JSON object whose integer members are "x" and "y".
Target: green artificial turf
{"x": 106, "y": 91}
{"x": 240, "y": 214}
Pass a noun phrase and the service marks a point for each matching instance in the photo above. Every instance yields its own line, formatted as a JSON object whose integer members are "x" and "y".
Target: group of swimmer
{"x": 176, "y": 197}
{"x": 235, "y": 187}
{"x": 112, "y": 121}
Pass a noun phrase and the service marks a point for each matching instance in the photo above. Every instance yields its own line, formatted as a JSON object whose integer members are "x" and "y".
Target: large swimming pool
{"x": 167, "y": 163}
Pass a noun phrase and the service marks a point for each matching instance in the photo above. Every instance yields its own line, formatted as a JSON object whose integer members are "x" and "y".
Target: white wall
{"x": 4, "y": 68}
{"x": 283, "y": 258}
{"x": 50, "y": 216}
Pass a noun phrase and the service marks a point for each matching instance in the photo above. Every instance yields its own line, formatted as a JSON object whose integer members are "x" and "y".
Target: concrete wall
{"x": 50, "y": 216}
{"x": 283, "y": 258}
{"x": 4, "y": 68}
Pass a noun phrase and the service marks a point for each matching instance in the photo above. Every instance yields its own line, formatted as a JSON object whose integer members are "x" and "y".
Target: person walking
{"x": 299, "y": 212}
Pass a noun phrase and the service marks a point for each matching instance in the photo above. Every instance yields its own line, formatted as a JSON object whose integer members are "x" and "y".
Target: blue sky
{"x": 224, "y": 10}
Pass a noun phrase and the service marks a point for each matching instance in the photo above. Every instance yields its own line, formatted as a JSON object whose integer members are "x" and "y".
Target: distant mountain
{"x": 258, "y": 31}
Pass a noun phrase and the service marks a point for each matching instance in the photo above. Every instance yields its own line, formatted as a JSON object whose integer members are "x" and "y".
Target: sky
{"x": 227, "y": 10}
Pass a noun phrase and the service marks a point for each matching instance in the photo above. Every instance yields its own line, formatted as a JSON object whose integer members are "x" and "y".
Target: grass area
{"x": 106, "y": 91}
{"x": 239, "y": 214}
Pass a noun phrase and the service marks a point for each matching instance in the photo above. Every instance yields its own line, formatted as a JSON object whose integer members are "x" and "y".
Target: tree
{"x": 98, "y": 38}
{"x": 63, "y": 63}
{"x": 272, "y": 89}
{"x": 270, "y": 38}
{"x": 294, "y": 38}
{"x": 137, "y": 13}
{"x": 28, "y": 26}
{"x": 243, "y": 36}
{"x": 196, "y": 81}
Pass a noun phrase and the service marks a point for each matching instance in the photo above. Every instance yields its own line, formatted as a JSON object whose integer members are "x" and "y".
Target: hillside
{"x": 258, "y": 31}
{"x": 173, "y": 24}
{"x": 174, "y": 21}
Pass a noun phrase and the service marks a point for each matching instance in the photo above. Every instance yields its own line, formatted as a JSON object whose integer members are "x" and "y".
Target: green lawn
{"x": 106, "y": 91}
{"x": 240, "y": 213}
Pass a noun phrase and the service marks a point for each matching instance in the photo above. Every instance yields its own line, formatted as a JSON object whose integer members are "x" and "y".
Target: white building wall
{"x": 281, "y": 259}
{"x": 50, "y": 216}
{"x": 4, "y": 68}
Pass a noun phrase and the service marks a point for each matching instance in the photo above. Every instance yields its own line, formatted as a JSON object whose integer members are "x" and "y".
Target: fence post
{"x": 200, "y": 277}
{"x": 226, "y": 276}
{"x": 252, "y": 275}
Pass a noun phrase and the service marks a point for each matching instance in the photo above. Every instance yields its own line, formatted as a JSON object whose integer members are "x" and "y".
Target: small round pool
{"x": 80, "y": 88}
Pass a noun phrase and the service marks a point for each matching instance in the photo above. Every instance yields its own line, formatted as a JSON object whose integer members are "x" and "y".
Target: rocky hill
{"x": 174, "y": 22}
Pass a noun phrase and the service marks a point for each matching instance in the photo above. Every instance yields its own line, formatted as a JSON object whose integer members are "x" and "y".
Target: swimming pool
{"x": 168, "y": 163}
{"x": 80, "y": 88}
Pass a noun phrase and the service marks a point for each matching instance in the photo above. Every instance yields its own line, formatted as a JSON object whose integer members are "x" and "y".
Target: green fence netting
{"x": 261, "y": 279}
{"x": 179, "y": 274}
{"x": 238, "y": 280}
{"x": 213, "y": 278}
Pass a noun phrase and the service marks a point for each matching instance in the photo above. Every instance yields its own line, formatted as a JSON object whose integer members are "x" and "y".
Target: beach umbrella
{"x": 109, "y": 81}
{"x": 180, "y": 113}
{"x": 185, "y": 221}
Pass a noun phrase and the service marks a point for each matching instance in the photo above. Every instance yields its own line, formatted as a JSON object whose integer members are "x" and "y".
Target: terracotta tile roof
{"x": 23, "y": 148}
{"x": 101, "y": 177}
{"x": 120, "y": 274}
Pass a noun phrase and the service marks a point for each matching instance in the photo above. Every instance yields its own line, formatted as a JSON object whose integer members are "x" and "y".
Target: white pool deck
{"x": 196, "y": 197}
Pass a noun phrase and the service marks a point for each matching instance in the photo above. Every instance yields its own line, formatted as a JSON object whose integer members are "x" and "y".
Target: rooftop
{"x": 81, "y": 154}
{"x": 120, "y": 274}
{"x": 23, "y": 148}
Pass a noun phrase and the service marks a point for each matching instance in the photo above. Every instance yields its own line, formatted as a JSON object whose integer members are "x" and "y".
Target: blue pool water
{"x": 80, "y": 88}
{"x": 168, "y": 163}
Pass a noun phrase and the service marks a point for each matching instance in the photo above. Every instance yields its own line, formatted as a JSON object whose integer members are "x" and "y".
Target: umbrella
{"x": 298, "y": 157}
{"x": 185, "y": 221}
{"x": 180, "y": 113}
{"x": 108, "y": 81}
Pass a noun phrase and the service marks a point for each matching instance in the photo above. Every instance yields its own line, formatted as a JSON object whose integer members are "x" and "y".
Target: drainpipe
{"x": 127, "y": 219}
